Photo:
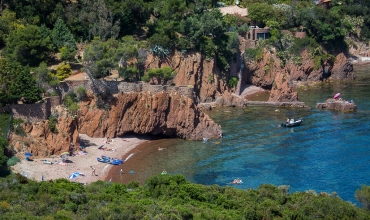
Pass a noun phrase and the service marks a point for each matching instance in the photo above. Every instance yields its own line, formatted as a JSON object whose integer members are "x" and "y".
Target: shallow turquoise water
{"x": 329, "y": 152}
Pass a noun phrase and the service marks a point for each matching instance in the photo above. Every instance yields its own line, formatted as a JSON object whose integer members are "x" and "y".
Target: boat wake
{"x": 128, "y": 157}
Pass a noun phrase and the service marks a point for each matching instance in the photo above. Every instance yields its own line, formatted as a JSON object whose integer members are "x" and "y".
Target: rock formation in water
{"x": 39, "y": 139}
{"x": 340, "y": 105}
{"x": 170, "y": 114}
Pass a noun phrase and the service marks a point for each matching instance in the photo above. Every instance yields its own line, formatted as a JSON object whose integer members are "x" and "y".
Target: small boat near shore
{"x": 109, "y": 160}
{"x": 112, "y": 159}
{"x": 292, "y": 123}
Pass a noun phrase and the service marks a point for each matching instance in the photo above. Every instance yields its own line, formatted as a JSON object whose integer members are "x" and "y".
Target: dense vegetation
{"x": 164, "y": 197}
{"x": 119, "y": 35}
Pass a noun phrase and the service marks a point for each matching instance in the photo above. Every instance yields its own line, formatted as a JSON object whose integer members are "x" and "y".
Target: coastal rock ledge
{"x": 167, "y": 113}
{"x": 338, "y": 105}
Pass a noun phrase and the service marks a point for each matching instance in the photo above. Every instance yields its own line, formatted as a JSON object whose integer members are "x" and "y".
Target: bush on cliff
{"x": 233, "y": 82}
{"x": 53, "y": 124}
{"x": 70, "y": 101}
{"x": 3, "y": 145}
{"x": 164, "y": 73}
{"x": 80, "y": 93}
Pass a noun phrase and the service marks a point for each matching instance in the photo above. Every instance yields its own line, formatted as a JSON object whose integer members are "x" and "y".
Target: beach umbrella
{"x": 337, "y": 95}
{"x": 27, "y": 154}
{"x": 74, "y": 175}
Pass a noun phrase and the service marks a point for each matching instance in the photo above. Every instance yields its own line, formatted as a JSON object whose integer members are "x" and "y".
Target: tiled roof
{"x": 234, "y": 10}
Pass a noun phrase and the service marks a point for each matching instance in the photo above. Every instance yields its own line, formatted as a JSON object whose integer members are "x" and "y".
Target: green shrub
{"x": 16, "y": 126}
{"x": 80, "y": 93}
{"x": 319, "y": 59}
{"x": 300, "y": 44}
{"x": 164, "y": 73}
{"x": 254, "y": 53}
{"x": 233, "y": 82}
{"x": 63, "y": 71}
{"x": 53, "y": 124}
{"x": 363, "y": 196}
{"x": 12, "y": 161}
{"x": 67, "y": 53}
{"x": 207, "y": 47}
{"x": 133, "y": 185}
{"x": 129, "y": 73}
{"x": 71, "y": 99}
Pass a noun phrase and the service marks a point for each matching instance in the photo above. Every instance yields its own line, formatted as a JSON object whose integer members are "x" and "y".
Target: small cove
{"x": 329, "y": 152}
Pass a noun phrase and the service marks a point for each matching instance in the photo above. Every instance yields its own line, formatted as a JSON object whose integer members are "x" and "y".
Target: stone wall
{"x": 67, "y": 86}
{"x": 54, "y": 101}
{"x": 29, "y": 112}
{"x": 115, "y": 87}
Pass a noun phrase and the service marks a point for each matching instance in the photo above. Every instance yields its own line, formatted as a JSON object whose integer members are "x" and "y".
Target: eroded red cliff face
{"x": 270, "y": 74}
{"x": 192, "y": 68}
{"x": 40, "y": 141}
{"x": 163, "y": 113}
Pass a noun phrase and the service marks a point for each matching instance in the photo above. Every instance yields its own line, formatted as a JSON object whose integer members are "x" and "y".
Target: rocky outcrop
{"x": 338, "y": 105}
{"x": 194, "y": 69}
{"x": 230, "y": 99}
{"x": 40, "y": 141}
{"x": 164, "y": 113}
{"x": 268, "y": 73}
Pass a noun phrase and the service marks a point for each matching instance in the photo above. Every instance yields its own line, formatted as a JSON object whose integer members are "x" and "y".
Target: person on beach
{"x": 93, "y": 171}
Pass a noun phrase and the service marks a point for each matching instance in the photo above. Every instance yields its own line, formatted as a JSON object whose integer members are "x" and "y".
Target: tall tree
{"x": 17, "y": 83}
{"x": 99, "y": 19}
{"x": 27, "y": 46}
{"x": 62, "y": 36}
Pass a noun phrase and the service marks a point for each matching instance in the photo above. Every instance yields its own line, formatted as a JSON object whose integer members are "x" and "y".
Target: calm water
{"x": 329, "y": 152}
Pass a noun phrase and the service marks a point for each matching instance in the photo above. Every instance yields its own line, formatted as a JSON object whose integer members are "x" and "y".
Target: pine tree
{"x": 62, "y": 36}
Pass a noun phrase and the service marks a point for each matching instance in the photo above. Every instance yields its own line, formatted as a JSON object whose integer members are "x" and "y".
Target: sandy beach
{"x": 118, "y": 148}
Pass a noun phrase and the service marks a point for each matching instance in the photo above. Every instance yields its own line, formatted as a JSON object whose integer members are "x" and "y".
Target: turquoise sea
{"x": 329, "y": 152}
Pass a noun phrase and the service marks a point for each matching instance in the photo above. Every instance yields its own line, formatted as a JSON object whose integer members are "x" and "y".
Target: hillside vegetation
{"x": 108, "y": 35}
{"x": 164, "y": 197}
{"x": 114, "y": 32}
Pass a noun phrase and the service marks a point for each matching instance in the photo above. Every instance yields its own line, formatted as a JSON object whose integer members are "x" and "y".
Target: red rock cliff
{"x": 209, "y": 83}
{"x": 270, "y": 74}
{"x": 192, "y": 68}
{"x": 163, "y": 113}
{"x": 40, "y": 141}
